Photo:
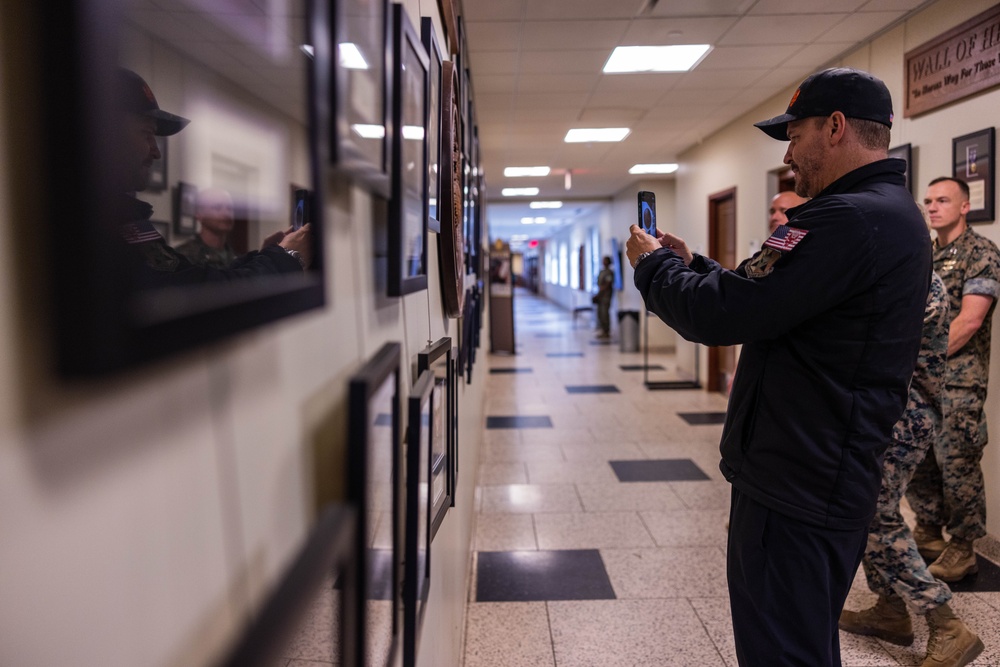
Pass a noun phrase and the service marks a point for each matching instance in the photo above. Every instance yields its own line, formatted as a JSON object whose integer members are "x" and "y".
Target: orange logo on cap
{"x": 795, "y": 96}
{"x": 148, "y": 93}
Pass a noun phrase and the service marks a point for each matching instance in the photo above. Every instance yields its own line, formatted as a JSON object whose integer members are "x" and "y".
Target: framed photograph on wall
{"x": 375, "y": 484}
{"x": 437, "y": 358}
{"x": 416, "y": 581}
{"x": 309, "y": 616}
{"x": 123, "y": 296}
{"x": 185, "y": 209}
{"x": 434, "y": 151}
{"x": 453, "y": 430}
{"x": 408, "y": 204}
{"x": 359, "y": 88}
{"x": 451, "y": 240}
{"x": 905, "y": 153}
{"x": 973, "y": 161}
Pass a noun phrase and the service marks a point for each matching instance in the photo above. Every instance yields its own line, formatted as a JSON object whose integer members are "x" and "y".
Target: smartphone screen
{"x": 647, "y": 212}
{"x": 301, "y": 208}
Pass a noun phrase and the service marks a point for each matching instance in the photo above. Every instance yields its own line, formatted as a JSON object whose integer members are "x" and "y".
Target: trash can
{"x": 628, "y": 330}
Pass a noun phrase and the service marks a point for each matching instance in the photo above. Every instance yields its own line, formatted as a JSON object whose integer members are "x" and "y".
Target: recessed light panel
{"x": 676, "y": 58}
{"x": 586, "y": 135}
{"x": 514, "y": 172}
{"x": 665, "y": 168}
{"x": 519, "y": 192}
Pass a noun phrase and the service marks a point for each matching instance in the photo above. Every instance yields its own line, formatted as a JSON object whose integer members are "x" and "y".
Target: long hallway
{"x": 601, "y": 518}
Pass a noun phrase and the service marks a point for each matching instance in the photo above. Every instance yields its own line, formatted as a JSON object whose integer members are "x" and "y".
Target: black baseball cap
{"x": 854, "y": 93}
{"x": 135, "y": 95}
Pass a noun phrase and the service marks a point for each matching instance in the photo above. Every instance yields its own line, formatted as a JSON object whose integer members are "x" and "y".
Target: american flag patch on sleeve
{"x": 785, "y": 238}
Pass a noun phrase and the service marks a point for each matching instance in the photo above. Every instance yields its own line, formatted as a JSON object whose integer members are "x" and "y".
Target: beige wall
{"x": 144, "y": 517}
{"x": 741, "y": 156}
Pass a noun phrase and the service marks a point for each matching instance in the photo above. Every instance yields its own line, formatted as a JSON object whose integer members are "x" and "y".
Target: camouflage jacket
{"x": 970, "y": 265}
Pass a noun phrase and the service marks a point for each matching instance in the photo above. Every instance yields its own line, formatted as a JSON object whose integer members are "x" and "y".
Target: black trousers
{"x": 788, "y": 581}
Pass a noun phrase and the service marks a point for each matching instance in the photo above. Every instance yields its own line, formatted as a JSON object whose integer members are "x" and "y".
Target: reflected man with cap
{"x": 829, "y": 314}
{"x": 156, "y": 264}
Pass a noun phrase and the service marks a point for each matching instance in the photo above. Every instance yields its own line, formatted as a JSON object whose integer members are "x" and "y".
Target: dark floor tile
{"x": 521, "y": 576}
{"x": 602, "y": 342}
{"x": 592, "y": 389}
{"x": 702, "y": 418}
{"x": 987, "y": 580}
{"x": 381, "y": 574}
{"x": 564, "y": 354}
{"x": 506, "y": 371}
{"x": 548, "y": 335}
{"x": 519, "y": 421}
{"x": 658, "y": 470}
{"x": 640, "y": 367}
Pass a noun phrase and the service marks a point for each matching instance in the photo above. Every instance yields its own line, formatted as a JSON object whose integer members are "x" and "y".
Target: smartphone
{"x": 647, "y": 212}
{"x": 301, "y": 208}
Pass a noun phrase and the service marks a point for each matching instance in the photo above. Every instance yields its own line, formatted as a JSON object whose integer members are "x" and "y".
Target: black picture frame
{"x": 437, "y": 358}
{"x": 360, "y": 91}
{"x": 375, "y": 484}
{"x": 905, "y": 153}
{"x": 416, "y": 580}
{"x": 323, "y": 574}
{"x": 184, "y": 209}
{"x": 158, "y": 170}
{"x": 112, "y": 309}
{"x": 434, "y": 153}
{"x": 973, "y": 160}
{"x": 408, "y": 204}
{"x": 451, "y": 239}
{"x": 455, "y": 373}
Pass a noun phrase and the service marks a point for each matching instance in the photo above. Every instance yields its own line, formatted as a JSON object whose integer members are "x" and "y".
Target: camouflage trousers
{"x": 893, "y": 566}
{"x": 947, "y": 488}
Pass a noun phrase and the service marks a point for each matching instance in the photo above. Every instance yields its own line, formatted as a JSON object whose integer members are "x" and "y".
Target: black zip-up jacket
{"x": 830, "y": 339}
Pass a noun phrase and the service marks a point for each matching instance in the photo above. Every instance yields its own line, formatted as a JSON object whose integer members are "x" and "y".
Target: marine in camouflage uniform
{"x": 892, "y": 564}
{"x": 947, "y": 488}
{"x": 200, "y": 253}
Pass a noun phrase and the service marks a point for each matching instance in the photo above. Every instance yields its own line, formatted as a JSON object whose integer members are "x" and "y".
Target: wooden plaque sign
{"x": 952, "y": 66}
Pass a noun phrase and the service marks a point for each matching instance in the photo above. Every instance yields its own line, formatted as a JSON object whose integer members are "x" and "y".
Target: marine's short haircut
{"x": 962, "y": 185}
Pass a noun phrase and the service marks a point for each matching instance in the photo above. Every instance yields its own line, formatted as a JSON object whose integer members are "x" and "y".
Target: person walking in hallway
{"x": 605, "y": 285}
{"x": 947, "y": 488}
{"x": 829, "y": 314}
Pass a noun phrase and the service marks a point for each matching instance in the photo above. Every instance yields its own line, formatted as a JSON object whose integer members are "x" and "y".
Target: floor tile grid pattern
{"x": 662, "y": 543}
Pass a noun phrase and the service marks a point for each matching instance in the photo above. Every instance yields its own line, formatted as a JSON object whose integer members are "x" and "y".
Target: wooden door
{"x": 722, "y": 248}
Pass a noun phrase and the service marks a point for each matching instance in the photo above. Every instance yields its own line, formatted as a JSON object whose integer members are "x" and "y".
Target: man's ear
{"x": 837, "y": 126}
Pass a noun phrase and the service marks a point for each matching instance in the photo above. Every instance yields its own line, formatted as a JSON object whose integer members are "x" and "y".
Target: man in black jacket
{"x": 829, "y": 314}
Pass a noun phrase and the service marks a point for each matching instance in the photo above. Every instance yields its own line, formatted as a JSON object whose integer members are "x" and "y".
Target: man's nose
{"x": 154, "y": 150}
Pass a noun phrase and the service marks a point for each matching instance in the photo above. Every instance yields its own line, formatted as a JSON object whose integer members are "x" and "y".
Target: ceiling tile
{"x": 567, "y": 35}
{"x": 720, "y": 78}
{"x": 678, "y": 31}
{"x": 892, "y": 5}
{"x": 562, "y": 83}
{"x": 743, "y": 57}
{"x": 583, "y": 9}
{"x": 858, "y": 27}
{"x": 495, "y": 35}
{"x": 778, "y": 7}
{"x": 563, "y": 62}
{"x": 494, "y": 62}
{"x": 701, "y": 8}
{"x": 494, "y": 10}
{"x": 493, "y": 83}
{"x": 786, "y": 29}
{"x": 611, "y": 116}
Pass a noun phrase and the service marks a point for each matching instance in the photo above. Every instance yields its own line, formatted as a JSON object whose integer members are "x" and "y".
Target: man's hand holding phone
{"x": 640, "y": 242}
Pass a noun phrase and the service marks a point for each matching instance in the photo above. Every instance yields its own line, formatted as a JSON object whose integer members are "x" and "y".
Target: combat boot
{"x": 887, "y": 620}
{"x": 957, "y": 561}
{"x": 952, "y": 643}
{"x": 930, "y": 542}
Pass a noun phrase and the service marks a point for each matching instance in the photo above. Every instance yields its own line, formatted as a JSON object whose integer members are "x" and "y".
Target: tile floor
{"x": 584, "y": 558}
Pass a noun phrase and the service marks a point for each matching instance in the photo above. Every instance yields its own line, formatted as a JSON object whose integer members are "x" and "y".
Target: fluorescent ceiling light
{"x": 677, "y": 58}
{"x": 545, "y": 204}
{"x": 514, "y": 172}
{"x": 596, "y": 134}
{"x": 369, "y": 131}
{"x": 519, "y": 192}
{"x": 533, "y": 221}
{"x": 308, "y": 50}
{"x": 413, "y": 132}
{"x": 350, "y": 56}
{"x": 666, "y": 168}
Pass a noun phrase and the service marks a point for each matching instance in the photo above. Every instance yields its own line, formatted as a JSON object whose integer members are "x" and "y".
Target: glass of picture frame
{"x": 123, "y": 295}
{"x": 416, "y": 580}
{"x": 451, "y": 240}
{"x": 408, "y": 205}
{"x": 972, "y": 157}
{"x": 437, "y": 358}
{"x": 376, "y": 485}
{"x": 904, "y": 152}
{"x": 309, "y": 616}
{"x": 360, "y": 90}
{"x": 434, "y": 152}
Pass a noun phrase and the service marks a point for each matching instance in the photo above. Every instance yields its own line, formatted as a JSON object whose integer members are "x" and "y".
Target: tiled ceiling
{"x": 536, "y": 73}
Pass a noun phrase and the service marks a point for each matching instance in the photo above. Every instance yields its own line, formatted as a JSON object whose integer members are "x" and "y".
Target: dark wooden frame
{"x": 329, "y": 548}
{"x": 379, "y": 372}
{"x": 416, "y": 581}
{"x": 905, "y": 153}
{"x": 983, "y": 169}
{"x": 409, "y": 187}
{"x": 437, "y": 357}
{"x": 103, "y": 321}
{"x": 434, "y": 152}
{"x": 185, "y": 203}
{"x": 451, "y": 240}
{"x": 368, "y": 25}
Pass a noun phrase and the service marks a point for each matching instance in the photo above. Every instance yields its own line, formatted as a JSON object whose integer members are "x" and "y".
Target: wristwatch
{"x": 297, "y": 255}
{"x": 642, "y": 257}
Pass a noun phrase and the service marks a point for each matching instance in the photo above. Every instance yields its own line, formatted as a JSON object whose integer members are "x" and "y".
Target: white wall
{"x": 144, "y": 517}
{"x": 741, "y": 156}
